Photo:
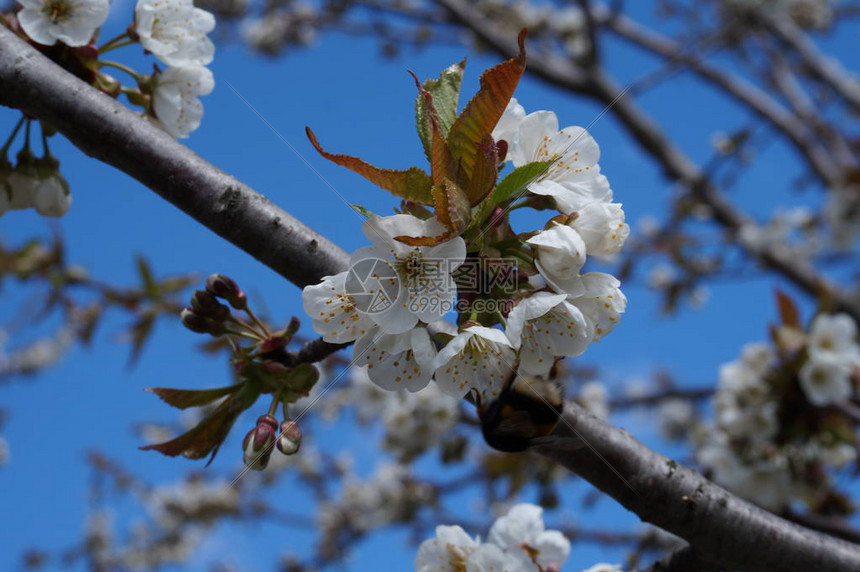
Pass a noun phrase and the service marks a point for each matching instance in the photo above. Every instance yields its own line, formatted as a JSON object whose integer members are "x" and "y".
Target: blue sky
{"x": 360, "y": 104}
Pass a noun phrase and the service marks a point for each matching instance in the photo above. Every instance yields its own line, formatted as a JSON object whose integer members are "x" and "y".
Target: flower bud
{"x": 290, "y": 438}
{"x": 226, "y": 288}
{"x": 257, "y": 445}
{"x": 205, "y": 304}
{"x": 199, "y": 324}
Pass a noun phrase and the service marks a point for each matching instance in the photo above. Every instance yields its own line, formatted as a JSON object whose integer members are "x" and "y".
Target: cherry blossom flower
{"x": 175, "y": 31}
{"x": 334, "y": 312}
{"x": 560, "y": 255}
{"x": 834, "y": 334}
{"x": 426, "y": 289}
{"x": 522, "y": 530}
{"x": 477, "y": 358}
{"x": 448, "y": 551}
{"x": 72, "y": 22}
{"x": 396, "y": 361}
{"x": 574, "y": 172}
{"x": 509, "y": 123}
{"x": 545, "y": 326}
{"x": 826, "y": 379}
{"x": 601, "y": 226}
{"x": 602, "y": 302}
{"x": 492, "y": 558}
{"x": 51, "y": 196}
{"x": 175, "y": 99}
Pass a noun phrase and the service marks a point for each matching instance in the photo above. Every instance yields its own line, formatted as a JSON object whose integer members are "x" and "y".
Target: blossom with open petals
{"x": 602, "y": 302}
{"x": 826, "y": 379}
{"x": 175, "y": 100}
{"x": 449, "y": 550}
{"x": 425, "y": 290}
{"x": 601, "y": 226}
{"x": 396, "y": 361}
{"x": 477, "y": 358}
{"x": 544, "y": 327}
{"x": 175, "y": 31}
{"x": 522, "y": 530}
{"x": 560, "y": 255}
{"x": 834, "y": 334}
{"x": 72, "y": 22}
{"x": 509, "y": 123}
{"x": 334, "y": 312}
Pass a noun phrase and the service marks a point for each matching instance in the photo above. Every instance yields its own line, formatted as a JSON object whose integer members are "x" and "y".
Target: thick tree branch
{"x": 107, "y": 130}
{"x": 719, "y": 526}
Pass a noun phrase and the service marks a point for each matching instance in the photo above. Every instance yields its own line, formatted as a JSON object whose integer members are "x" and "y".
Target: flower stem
{"x": 257, "y": 321}
{"x": 122, "y": 67}
{"x": 256, "y": 333}
{"x": 276, "y": 398}
{"x": 46, "y": 150}
{"x": 11, "y": 138}
{"x": 116, "y": 43}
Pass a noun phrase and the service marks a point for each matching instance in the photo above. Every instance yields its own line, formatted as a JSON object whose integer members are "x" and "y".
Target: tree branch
{"x": 107, "y": 130}
{"x": 720, "y": 527}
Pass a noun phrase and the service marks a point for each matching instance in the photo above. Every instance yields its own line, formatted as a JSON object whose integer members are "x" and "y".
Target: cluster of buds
{"x": 265, "y": 436}
{"x": 263, "y": 366}
{"x": 207, "y": 315}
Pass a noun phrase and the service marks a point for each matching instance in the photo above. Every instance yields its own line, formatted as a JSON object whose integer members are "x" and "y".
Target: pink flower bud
{"x": 290, "y": 438}
{"x": 207, "y": 305}
{"x": 224, "y": 287}
{"x": 258, "y": 443}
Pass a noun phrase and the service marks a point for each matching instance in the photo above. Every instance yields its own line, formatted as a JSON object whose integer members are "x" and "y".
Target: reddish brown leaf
{"x": 412, "y": 184}
{"x": 206, "y": 437}
{"x": 788, "y": 312}
{"x": 483, "y": 111}
{"x": 452, "y": 210}
{"x": 442, "y": 164}
{"x": 485, "y": 173}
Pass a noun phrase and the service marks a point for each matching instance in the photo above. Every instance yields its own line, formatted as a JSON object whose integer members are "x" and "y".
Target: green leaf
{"x": 150, "y": 286}
{"x": 412, "y": 184}
{"x": 362, "y": 211}
{"x": 185, "y": 398}
{"x": 446, "y": 95}
{"x": 483, "y": 111}
{"x": 206, "y": 437}
{"x": 140, "y": 332}
{"x": 512, "y": 186}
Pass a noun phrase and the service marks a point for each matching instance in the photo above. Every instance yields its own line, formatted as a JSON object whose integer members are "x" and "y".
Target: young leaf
{"x": 150, "y": 287}
{"x": 206, "y": 437}
{"x": 481, "y": 114}
{"x": 485, "y": 173}
{"x": 442, "y": 164}
{"x": 446, "y": 95}
{"x": 452, "y": 210}
{"x": 412, "y": 184}
{"x": 185, "y": 398}
{"x": 511, "y": 186}
{"x": 788, "y": 312}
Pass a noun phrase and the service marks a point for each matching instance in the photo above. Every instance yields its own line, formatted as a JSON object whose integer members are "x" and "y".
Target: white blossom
{"x": 509, "y": 123}
{"x": 545, "y": 326}
{"x": 72, "y": 22}
{"x": 421, "y": 275}
{"x": 601, "y": 226}
{"x": 604, "y": 567}
{"x": 334, "y": 312}
{"x": 834, "y": 335}
{"x": 522, "y": 531}
{"x": 477, "y": 358}
{"x": 826, "y": 379}
{"x": 396, "y": 361}
{"x": 175, "y": 31}
{"x": 602, "y": 302}
{"x": 593, "y": 397}
{"x": 51, "y": 196}
{"x": 561, "y": 254}
{"x": 22, "y": 187}
{"x": 448, "y": 551}
{"x": 175, "y": 100}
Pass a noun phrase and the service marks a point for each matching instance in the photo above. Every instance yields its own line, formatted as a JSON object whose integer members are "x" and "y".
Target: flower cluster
{"x": 776, "y": 429}
{"x": 175, "y": 31}
{"x": 808, "y": 14}
{"x": 522, "y": 301}
{"x": 517, "y": 542}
